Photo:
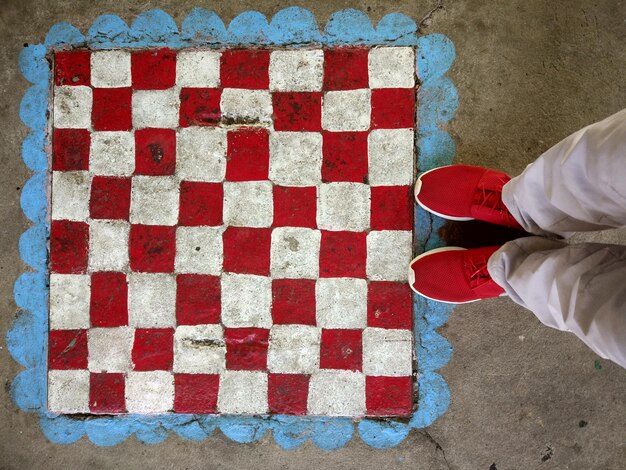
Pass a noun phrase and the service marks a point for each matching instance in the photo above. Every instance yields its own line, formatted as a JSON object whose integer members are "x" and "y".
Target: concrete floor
{"x": 523, "y": 396}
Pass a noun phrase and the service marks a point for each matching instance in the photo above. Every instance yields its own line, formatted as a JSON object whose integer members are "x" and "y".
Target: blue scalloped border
{"x": 27, "y": 338}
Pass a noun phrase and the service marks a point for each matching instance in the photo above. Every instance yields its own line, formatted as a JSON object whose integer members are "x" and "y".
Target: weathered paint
{"x": 256, "y": 157}
{"x": 290, "y": 26}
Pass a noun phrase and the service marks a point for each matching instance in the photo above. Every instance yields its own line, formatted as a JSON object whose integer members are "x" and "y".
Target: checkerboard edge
{"x": 345, "y": 27}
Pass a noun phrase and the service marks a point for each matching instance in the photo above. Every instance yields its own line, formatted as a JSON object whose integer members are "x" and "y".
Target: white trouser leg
{"x": 579, "y": 288}
{"x": 577, "y": 185}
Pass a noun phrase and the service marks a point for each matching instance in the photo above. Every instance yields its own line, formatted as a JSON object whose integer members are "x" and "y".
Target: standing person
{"x": 577, "y": 185}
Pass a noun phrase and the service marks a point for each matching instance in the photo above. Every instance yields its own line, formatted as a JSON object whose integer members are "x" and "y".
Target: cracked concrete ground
{"x": 523, "y": 396}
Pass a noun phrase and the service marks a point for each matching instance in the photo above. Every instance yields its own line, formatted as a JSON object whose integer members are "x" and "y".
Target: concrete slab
{"x": 523, "y": 396}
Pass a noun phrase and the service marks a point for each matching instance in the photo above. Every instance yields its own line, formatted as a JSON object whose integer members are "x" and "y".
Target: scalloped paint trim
{"x": 26, "y": 339}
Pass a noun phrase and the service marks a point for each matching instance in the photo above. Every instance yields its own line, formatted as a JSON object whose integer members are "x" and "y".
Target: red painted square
{"x": 293, "y": 302}
{"x": 72, "y": 68}
{"x": 155, "y": 152}
{"x": 389, "y": 305}
{"x": 247, "y": 250}
{"x": 200, "y": 203}
{"x": 389, "y": 396}
{"x": 67, "y": 349}
{"x": 153, "y": 349}
{"x": 295, "y": 207}
{"x": 245, "y": 68}
{"x": 69, "y": 247}
{"x": 345, "y": 68}
{"x": 109, "y": 300}
{"x": 343, "y": 254}
{"x": 110, "y": 198}
{"x": 153, "y": 69}
{"x": 198, "y": 299}
{"x": 247, "y": 154}
{"x": 246, "y": 348}
{"x": 391, "y": 208}
{"x": 112, "y": 109}
{"x": 196, "y": 393}
{"x": 344, "y": 157}
{"x": 106, "y": 393}
{"x": 297, "y": 112}
{"x": 288, "y": 393}
{"x": 393, "y": 108}
{"x": 341, "y": 349}
{"x": 200, "y": 107}
{"x": 70, "y": 149}
{"x": 152, "y": 248}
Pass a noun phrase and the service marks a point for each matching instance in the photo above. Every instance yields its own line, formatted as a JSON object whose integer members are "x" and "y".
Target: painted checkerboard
{"x": 231, "y": 231}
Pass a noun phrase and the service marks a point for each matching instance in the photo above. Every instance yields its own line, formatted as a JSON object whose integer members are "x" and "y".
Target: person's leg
{"x": 577, "y": 185}
{"x": 579, "y": 288}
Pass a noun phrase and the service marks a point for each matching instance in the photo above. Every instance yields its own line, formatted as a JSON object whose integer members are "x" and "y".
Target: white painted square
{"x": 110, "y": 69}
{"x": 110, "y": 349}
{"x": 69, "y": 301}
{"x": 68, "y": 391}
{"x": 391, "y": 157}
{"x": 72, "y": 107}
{"x": 242, "y": 392}
{"x": 248, "y": 204}
{"x": 149, "y": 392}
{"x": 391, "y": 67}
{"x": 70, "y": 195}
{"x": 344, "y": 206}
{"x": 199, "y": 349}
{"x": 389, "y": 253}
{"x": 156, "y": 108}
{"x": 337, "y": 393}
{"x": 199, "y": 250}
{"x": 201, "y": 154}
{"x": 296, "y": 70}
{"x": 347, "y": 110}
{"x": 341, "y": 303}
{"x": 246, "y": 301}
{"x": 112, "y": 153}
{"x": 198, "y": 69}
{"x": 151, "y": 300}
{"x": 245, "y": 107}
{"x": 108, "y": 245}
{"x": 387, "y": 352}
{"x": 295, "y": 253}
{"x": 294, "y": 349}
{"x": 154, "y": 200}
{"x": 296, "y": 158}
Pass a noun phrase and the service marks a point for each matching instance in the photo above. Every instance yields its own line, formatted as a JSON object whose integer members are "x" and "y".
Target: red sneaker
{"x": 454, "y": 275}
{"x": 463, "y": 192}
